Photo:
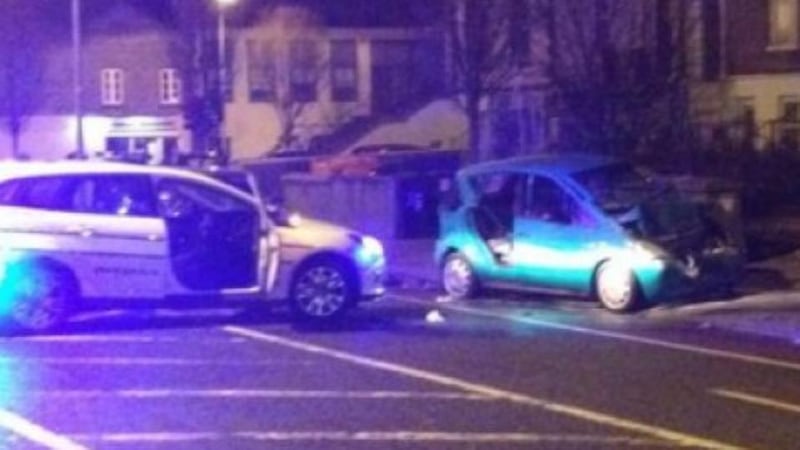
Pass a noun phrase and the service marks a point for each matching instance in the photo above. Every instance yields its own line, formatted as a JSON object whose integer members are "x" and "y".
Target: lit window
{"x": 112, "y": 87}
{"x": 169, "y": 82}
{"x": 783, "y": 26}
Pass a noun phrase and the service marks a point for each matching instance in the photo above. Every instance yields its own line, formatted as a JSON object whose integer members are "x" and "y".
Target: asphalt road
{"x": 406, "y": 373}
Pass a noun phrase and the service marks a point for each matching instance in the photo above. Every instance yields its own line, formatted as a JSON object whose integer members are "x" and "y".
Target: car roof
{"x": 18, "y": 169}
{"x": 556, "y": 163}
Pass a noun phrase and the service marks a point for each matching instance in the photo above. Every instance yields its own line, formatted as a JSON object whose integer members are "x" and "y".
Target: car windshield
{"x": 617, "y": 187}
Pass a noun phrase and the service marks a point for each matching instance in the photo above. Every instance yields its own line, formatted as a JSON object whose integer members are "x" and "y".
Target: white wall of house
{"x": 52, "y": 137}
{"x": 766, "y": 92}
{"x": 254, "y": 127}
{"x": 442, "y": 121}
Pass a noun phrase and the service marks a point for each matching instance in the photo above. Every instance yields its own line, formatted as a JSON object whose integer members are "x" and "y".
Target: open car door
{"x": 214, "y": 236}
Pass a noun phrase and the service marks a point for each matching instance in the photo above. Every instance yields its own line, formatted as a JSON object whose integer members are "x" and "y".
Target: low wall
{"x": 387, "y": 207}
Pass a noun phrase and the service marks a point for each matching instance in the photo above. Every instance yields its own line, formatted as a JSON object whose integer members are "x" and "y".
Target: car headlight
{"x": 372, "y": 246}
{"x": 369, "y": 248}
{"x": 644, "y": 253}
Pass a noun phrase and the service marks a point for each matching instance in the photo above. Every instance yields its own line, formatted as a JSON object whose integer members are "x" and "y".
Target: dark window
{"x": 303, "y": 71}
{"x": 117, "y": 195}
{"x": 548, "y": 202}
{"x": 344, "y": 72}
{"x": 711, "y": 40}
{"x": 118, "y": 147}
{"x": 179, "y": 198}
{"x": 8, "y": 192}
{"x": 261, "y": 71}
{"x": 45, "y": 193}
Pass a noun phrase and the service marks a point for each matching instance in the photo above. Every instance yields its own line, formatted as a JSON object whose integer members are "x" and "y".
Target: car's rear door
{"x": 104, "y": 227}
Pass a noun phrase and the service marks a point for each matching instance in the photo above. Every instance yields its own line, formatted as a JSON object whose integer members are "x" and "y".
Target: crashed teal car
{"x": 579, "y": 225}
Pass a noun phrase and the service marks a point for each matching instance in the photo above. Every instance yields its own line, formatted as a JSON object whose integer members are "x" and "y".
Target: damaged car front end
{"x": 679, "y": 247}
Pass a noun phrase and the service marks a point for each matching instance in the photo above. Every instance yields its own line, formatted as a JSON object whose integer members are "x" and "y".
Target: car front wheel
{"x": 616, "y": 287}
{"x": 323, "y": 290}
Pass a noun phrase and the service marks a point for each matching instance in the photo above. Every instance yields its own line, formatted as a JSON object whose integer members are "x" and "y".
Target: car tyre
{"x": 458, "y": 277}
{"x": 616, "y": 287}
{"x": 323, "y": 290}
{"x": 43, "y": 300}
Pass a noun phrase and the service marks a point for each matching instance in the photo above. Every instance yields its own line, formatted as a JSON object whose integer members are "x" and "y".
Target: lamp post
{"x": 223, "y": 72}
{"x": 77, "y": 79}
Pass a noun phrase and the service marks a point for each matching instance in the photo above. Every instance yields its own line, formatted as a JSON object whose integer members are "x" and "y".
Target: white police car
{"x": 80, "y": 235}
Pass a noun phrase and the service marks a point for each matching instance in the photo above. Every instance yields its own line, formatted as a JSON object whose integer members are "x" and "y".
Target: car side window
{"x": 549, "y": 202}
{"x": 8, "y": 192}
{"x": 51, "y": 193}
{"x": 182, "y": 198}
{"x": 118, "y": 195}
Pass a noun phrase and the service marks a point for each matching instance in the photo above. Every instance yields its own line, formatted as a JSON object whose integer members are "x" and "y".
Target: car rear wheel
{"x": 616, "y": 287}
{"x": 458, "y": 277}
{"x": 42, "y": 300}
{"x": 323, "y": 290}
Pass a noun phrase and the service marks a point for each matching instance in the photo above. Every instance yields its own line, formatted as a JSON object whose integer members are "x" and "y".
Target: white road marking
{"x": 112, "y": 339}
{"x": 725, "y": 354}
{"x": 109, "y": 361}
{"x": 675, "y": 437}
{"x": 36, "y": 433}
{"x": 272, "y": 394}
{"x": 378, "y": 436}
{"x": 757, "y": 400}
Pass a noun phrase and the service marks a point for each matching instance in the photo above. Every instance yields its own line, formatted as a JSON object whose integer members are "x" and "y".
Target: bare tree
{"x": 21, "y": 68}
{"x": 194, "y": 49}
{"x": 619, "y": 71}
{"x": 295, "y": 62}
{"x": 486, "y": 40}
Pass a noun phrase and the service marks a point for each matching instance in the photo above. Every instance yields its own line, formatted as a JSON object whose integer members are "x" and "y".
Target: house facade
{"x": 293, "y": 80}
{"x": 756, "y": 93}
{"x": 130, "y": 93}
{"x": 300, "y": 83}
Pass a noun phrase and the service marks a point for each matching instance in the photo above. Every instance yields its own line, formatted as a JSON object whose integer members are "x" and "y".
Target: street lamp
{"x": 77, "y": 79}
{"x": 223, "y": 75}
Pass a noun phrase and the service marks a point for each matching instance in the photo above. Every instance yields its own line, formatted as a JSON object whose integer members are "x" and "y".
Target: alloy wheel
{"x": 321, "y": 291}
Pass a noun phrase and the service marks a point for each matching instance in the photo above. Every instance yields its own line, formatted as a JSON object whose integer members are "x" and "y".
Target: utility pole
{"x": 77, "y": 79}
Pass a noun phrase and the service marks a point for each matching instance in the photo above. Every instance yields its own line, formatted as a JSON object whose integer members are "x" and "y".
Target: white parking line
{"x": 35, "y": 433}
{"x": 757, "y": 400}
{"x": 112, "y": 339}
{"x": 378, "y": 436}
{"x": 103, "y": 361}
{"x": 675, "y": 437}
{"x": 261, "y": 394}
{"x": 725, "y": 354}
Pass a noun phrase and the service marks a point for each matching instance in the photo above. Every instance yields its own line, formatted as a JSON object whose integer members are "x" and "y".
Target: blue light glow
{"x": 370, "y": 250}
